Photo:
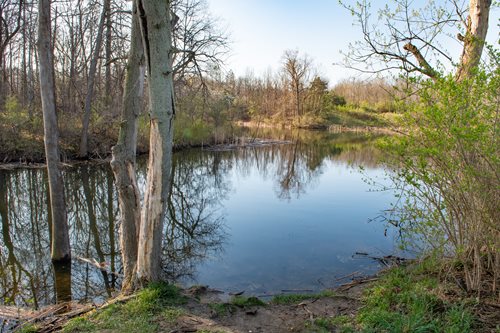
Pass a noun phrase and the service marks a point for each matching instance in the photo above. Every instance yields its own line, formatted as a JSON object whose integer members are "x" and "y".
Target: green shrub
{"x": 446, "y": 166}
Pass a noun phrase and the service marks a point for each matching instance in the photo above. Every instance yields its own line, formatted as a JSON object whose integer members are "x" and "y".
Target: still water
{"x": 262, "y": 219}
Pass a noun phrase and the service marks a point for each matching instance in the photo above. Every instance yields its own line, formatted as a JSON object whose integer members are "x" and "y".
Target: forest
{"x": 121, "y": 121}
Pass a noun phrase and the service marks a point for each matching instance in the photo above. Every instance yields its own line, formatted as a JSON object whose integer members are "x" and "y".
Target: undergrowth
{"x": 141, "y": 314}
{"x": 405, "y": 299}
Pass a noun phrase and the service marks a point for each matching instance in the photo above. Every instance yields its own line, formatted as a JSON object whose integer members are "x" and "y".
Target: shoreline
{"x": 401, "y": 298}
{"x": 37, "y": 163}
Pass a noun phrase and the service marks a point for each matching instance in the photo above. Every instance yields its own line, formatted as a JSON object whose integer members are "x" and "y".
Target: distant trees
{"x": 106, "y": 13}
{"x": 297, "y": 70}
{"x": 316, "y": 94}
{"x": 11, "y": 14}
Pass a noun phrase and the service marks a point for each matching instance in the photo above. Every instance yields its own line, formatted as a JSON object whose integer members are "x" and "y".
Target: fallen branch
{"x": 347, "y": 286}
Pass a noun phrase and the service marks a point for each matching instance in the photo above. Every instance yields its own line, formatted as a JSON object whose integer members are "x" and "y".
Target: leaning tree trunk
{"x": 157, "y": 41}
{"x": 123, "y": 162}
{"x": 60, "y": 238}
{"x": 475, "y": 36}
{"x": 90, "y": 86}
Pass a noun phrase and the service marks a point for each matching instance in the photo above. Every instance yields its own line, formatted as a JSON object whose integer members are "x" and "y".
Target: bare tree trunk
{"x": 123, "y": 162}
{"x": 157, "y": 41}
{"x": 60, "y": 238}
{"x": 475, "y": 36}
{"x": 90, "y": 85}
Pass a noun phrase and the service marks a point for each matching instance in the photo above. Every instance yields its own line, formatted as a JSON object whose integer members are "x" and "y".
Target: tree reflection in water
{"x": 195, "y": 222}
{"x": 27, "y": 278}
{"x": 195, "y": 227}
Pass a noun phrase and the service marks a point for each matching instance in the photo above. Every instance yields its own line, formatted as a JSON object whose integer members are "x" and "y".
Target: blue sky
{"x": 261, "y": 30}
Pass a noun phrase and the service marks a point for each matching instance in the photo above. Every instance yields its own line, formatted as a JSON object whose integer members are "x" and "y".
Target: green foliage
{"x": 447, "y": 167}
{"x": 189, "y": 132}
{"x": 14, "y": 113}
{"x": 297, "y": 298}
{"x": 21, "y": 133}
{"x": 331, "y": 100}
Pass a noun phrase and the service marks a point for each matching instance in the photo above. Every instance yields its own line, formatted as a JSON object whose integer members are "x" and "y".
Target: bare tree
{"x": 297, "y": 69}
{"x": 11, "y": 13}
{"x": 91, "y": 79}
{"x": 60, "y": 237}
{"x": 410, "y": 39}
{"x": 199, "y": 43}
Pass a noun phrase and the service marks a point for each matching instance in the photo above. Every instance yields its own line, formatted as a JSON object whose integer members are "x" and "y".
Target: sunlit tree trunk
{"x": 157, "y": 40}
{"x": 475, "y": 36}
{"x": 60, "y": 239}
{"x": 123, "y": 162}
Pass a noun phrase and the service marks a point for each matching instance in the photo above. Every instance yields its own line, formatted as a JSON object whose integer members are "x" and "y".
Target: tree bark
{"x": 90, "y": 85}
{"x": 123, "y": 162}
{"x": 426, "y": 68}
{"x": 157, "y": 41}
{"x": 60, "y": 238}
{"x": 475, "y": 36}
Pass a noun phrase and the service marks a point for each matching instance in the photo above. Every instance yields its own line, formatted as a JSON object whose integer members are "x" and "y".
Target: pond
{"x": 264, "y": 219}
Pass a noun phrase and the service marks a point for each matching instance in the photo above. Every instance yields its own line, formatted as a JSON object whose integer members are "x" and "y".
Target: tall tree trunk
{"x": 475, "y": 36}
{"x": 90, "y": 85}
{"x": 123, "y": 162}
{"x": 157, "y": 41}
{"x": 60, "y": 238}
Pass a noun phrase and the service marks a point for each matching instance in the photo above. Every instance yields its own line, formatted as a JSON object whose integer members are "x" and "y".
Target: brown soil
{"x": 271, "y": 318}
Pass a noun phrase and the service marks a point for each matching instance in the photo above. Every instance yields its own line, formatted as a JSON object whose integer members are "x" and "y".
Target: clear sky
{"x": 261, "y": 30}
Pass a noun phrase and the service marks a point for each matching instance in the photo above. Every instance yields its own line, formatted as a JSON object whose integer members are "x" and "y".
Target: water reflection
{"x": 195, "y": 221}
{"x": 203, "y": 187}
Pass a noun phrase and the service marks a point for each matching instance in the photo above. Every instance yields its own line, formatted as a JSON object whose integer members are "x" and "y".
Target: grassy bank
{"x": 410, "y": 299}
{"x": 422, "y": 297}
{"x": 347, "y": 117}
